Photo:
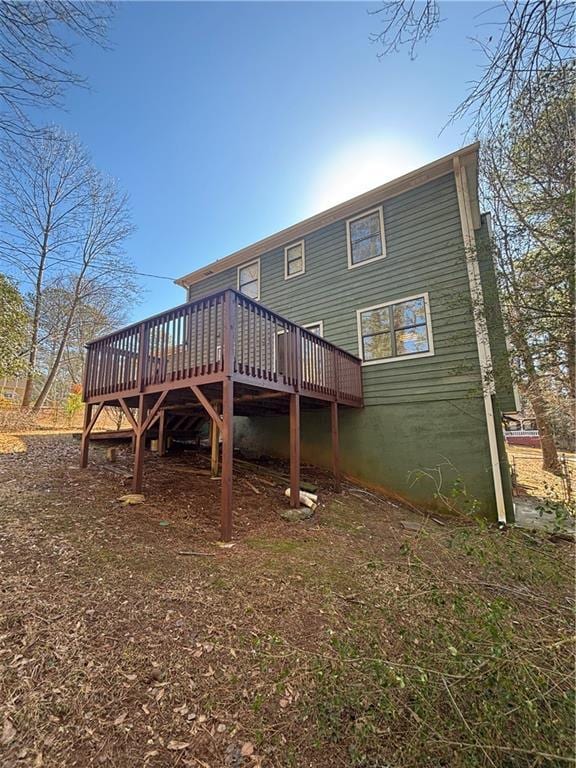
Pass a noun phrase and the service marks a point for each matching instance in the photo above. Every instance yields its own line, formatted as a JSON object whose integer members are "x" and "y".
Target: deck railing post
{"x": 229, "y": 336}
{"x": 298, "y": 359}
{"x": 336, "y": 374}
{"x": 142, "y": 344}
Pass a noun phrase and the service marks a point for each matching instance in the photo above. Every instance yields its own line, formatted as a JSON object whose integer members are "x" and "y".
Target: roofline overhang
{"x": 468, "y": 156}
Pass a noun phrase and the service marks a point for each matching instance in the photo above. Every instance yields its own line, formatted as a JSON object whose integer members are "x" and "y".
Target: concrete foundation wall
{"x": 392, "y": 447}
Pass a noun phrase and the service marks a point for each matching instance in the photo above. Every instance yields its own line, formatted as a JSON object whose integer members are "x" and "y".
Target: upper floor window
{"x": 294, "y": 260}
{"x": 366, "y": 238}
{"x": 315, "y": 328}
{"x": 395, "y": 330}
{"x": 249, "y": 279}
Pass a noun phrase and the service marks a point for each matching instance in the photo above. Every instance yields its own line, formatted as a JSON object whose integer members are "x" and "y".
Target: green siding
{"x": 420, "y": 413}
{"x": 424, "y": 253}
{"x": 495, "y": 322}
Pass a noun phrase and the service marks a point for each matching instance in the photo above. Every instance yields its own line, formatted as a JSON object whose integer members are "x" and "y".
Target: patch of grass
{"x": 277, "y": 546}
{"x": 463, "y": 677}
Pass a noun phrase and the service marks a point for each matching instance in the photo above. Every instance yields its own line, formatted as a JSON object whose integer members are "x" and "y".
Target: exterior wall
{"x": 495, "y": 322}
{"x": 421, "y": 414}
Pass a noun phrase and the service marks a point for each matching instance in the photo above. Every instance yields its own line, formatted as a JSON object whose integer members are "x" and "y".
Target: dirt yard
{"x": 365, "y": 637}
{"x": 533, "y": 480}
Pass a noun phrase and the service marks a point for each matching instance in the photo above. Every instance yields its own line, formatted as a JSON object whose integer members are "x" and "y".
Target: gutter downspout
{"x": 482, "y": 341}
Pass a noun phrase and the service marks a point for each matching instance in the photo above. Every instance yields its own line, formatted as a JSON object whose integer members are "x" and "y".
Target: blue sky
{"x": 228, "y": 121}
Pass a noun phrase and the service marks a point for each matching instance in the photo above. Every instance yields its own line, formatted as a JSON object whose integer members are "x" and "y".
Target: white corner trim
{"x": 243, "y": 266}
{"x": 286, "y": 249}
{"x": 424, "y": 295}
{"x": 482, "y": 342}
{"x": 380, "y": 211}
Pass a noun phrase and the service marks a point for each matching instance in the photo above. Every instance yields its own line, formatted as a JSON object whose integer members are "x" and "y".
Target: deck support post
{"x": 140, "y": 439}
{"x": 227, "y": 429}
{"x": 335, "y": 446}
{"x": 85, "y": 436}
{"x": 214, "y": 446}
{"x": 89, "y": 422}
{"x": 295, "y": 450}
{"x": 162, "y": 433}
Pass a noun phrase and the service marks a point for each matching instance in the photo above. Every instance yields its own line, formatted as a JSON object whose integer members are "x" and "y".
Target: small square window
{"x": 366, "y": 238}
{"x": 294, "y": 260}
{"x": 249, "y": 280}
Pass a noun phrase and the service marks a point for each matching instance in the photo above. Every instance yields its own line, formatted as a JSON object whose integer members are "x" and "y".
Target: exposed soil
{"x": 345, "y": 640}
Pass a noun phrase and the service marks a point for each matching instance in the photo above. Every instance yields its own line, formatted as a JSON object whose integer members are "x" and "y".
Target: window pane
{"x": 249, "y": 273}
{"x": 412, "y": 340}
{"x": 250, "y": 289}
{"x": 295, "y": 252}
{"x": 375, "y": 321}
{"x": 366, "y": 249}
{"x": 365, "y": 227}
{"x": 409, "y": 313}
{"x": 376, "y": 347}
{"x": 315, "y": 329}
{"x": 295, "y": 265}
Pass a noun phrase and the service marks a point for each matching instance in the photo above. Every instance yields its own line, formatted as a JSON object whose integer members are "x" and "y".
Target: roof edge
{"x": 416, "y": 178}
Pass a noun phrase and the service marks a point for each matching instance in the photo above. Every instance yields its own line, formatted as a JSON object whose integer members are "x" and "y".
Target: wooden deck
{"x": 221, "y": 355}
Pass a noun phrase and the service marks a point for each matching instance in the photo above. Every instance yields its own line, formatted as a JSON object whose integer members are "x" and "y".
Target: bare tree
{"x": 523, "y": 39}
{"x": 64, "y": 225}
{"x": 36, "y": 46}
{"x": 529, "y": 188}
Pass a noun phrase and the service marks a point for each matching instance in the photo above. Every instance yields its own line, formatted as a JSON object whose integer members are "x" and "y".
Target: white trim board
{"x": 478, "y": 312}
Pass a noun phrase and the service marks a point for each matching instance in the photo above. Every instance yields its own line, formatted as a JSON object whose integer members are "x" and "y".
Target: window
{"x": 294, "y": 260}
{"x": 249, "y": 280}
{"x": 316, "y": 328}
{"x": 395, "y": 330}
{"x": 366, "y": 238}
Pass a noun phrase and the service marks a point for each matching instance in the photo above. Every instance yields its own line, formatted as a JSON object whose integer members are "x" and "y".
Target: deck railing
{"x": 225, "y": 333}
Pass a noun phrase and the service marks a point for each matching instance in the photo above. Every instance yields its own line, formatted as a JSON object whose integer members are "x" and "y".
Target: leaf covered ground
{"x": 347, "y": 640}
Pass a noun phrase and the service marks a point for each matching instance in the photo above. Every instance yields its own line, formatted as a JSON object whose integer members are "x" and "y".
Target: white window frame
{"x": 239, "y": 269}
{"x": 311, "y": 325}
{"x": 380, "y": 211}
{"x": 414, "y": 356}
{"x": 286, "y": 249}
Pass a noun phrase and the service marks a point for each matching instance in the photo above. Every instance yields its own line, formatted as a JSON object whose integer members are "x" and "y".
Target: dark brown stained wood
{"x": 214, "y": 445}
{"x": 294, "y": 450}
{"x": 140, "y": 436}
{"x": 227, "y": 458}
{"x": 161, "y": 354}
{"x": 217, "y": 342}
{"x": 85, "y": 444}
{"x": 162, "y": 433}
{"x": 128, "y": 414}
{"x": 210, "y": 410}
{"x": 335, "y": 445}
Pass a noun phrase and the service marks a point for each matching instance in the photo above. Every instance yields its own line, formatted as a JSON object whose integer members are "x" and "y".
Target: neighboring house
{"x": 401, "y": 278}
{"x": 12, "y": 390}
{"x": 520, "y": 430}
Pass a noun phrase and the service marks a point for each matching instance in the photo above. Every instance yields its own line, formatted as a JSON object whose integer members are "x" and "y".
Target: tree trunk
{"x": 57, "y": 360}
{"x": 550, "y": 460}
{"x": 27, "y": 396}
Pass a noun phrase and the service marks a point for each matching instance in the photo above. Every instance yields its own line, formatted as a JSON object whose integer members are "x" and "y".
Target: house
{"x": 368, "y": 338}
